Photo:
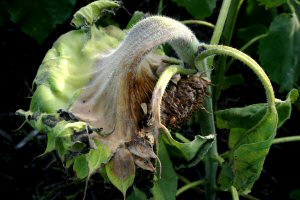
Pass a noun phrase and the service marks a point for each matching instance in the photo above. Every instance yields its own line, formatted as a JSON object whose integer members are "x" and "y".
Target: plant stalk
{"x": 218, "y": 79}
{"x": 207, "y": 118}
{"x": 286, "y": 139}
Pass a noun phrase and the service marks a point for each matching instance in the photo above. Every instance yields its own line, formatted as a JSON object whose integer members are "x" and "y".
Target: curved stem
{"x": 253, "y": 40}
{"x": 211, "y": 50}
{"x": 189, "y": 186}
{"x": 286, "y": 139}
{"x": 154, "y": 31}
{"x": 186, "y": 181}
{"x": 199, "y": 22}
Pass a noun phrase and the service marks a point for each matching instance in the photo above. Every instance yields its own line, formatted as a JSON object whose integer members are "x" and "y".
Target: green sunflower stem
{"x": 295, "y": 138}
{"x": 211, "y": 50}
{"x": 189, "y": 186}
{"x": 207, "y": 119}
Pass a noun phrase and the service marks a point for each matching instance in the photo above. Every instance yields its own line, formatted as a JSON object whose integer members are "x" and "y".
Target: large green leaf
{"x": 165, "y": 187}
{"x": 39, "y": 18}
{"x": 247, "y": 117}
{"x": 279, "y": 52}
{"x": 252, "y": 130}
{"x": 59, "y": 130}
{"x": 198, "y": 8}
{"x": 248, "y": 154}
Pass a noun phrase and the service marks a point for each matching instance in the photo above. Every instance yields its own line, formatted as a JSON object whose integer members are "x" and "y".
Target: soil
{"x": 25, "y": 175}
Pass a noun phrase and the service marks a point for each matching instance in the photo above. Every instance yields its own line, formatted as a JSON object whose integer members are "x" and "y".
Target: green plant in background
{"x": 37, "y": 19}
{"x": 110, "y": 100}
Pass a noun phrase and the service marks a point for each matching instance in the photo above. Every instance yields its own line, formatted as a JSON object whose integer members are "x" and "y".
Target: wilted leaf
{"x": 190, "y": 153}
{"x": 244, "y": 117}
{"x": 142, "y": 149}
{"x": 252, "y": 130}
{"x": 39, "y": 18}
{"x": 198, "y": 8}
{"x": 89, "y": 14}
{"x": 248, "y": 154}
{"x": 121, "y": 170}
{"x": 247, "y": 117}
{"x": 60, "y": 132}
{"x": 165, "y": 188}
{"x": 279, "y": 52}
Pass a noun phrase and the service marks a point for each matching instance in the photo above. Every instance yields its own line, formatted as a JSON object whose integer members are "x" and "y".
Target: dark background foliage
{"x": 25, "y": 175}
